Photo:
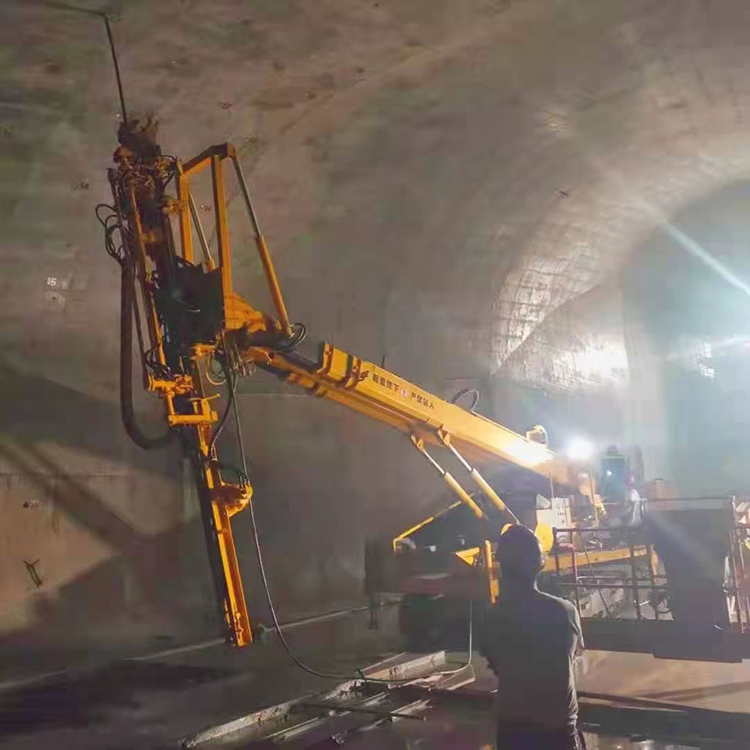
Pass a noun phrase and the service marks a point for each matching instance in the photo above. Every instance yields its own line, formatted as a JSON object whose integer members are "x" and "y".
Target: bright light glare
{"x": 600, "y": 361}
{"x": 580, "y": 449}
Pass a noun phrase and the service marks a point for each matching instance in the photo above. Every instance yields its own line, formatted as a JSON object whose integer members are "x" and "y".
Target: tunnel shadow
{"x": 99, "y": 616}
{"x": 73, "y": 498}
{"x": 152, "y": 582}
{"x": 86, "y": 700}
{"x": 34, "y": 410}
{"x": 151, "y": 587}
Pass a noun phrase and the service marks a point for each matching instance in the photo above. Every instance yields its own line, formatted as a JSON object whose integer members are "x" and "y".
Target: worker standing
{"x": 530, "y": 640}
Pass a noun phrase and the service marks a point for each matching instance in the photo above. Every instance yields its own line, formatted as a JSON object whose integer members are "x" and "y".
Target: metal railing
{"x": 655, "y": 582}
{"x": 636, "y": 584}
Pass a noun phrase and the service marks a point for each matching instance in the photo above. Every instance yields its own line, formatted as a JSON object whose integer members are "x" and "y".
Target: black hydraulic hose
{"x": 127, "y": 302}
{"x": 464, "y": 392}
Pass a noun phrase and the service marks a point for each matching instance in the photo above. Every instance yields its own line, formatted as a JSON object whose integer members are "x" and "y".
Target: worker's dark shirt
{"x": 530, "y": 640}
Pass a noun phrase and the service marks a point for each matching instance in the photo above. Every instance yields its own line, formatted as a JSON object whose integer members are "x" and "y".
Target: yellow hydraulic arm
{"x": 429, "y": 420}
{"x": 199, "y": 329}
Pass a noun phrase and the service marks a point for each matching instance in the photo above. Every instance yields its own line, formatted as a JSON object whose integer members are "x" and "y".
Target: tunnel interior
{"x": 545, "y": 200}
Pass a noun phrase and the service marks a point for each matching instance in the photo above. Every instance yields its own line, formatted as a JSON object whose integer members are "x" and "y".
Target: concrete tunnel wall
{"x": 455, "y": 186}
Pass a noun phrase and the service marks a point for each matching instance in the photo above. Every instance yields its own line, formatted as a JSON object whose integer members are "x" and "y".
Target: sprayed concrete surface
{"x": 511, "y": 195}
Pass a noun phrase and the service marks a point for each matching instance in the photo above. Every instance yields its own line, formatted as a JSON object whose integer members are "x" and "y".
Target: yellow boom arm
{"x": 377, "y": 393}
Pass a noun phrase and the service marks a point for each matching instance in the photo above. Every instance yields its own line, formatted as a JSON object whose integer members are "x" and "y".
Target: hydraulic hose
{"x": 127, "y": 304}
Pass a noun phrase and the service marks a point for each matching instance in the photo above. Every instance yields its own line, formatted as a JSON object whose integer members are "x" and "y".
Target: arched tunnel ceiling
{"x": 435, "y": 178}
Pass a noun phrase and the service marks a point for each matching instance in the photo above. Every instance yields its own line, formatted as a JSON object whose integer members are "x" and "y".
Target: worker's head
{"x": 520, "y": 555}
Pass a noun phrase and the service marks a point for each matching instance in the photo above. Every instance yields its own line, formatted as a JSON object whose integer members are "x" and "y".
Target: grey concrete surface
{"x": 475, "y": 191}
{"x": 724, "y": 687}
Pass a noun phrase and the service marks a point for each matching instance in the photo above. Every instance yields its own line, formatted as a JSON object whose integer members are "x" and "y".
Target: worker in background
{"x": 530, "y": 640}
{"x": 617, "y": 488}
{"x": 632, "y": 510}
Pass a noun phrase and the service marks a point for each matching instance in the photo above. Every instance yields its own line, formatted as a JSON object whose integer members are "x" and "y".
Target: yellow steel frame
{"x": 406, "y": 534}
{"x": 594, "y": 557}
{"x": 340, "y": 377}
{"x": 583, "y": 559}
{"x": 225, "y": 498}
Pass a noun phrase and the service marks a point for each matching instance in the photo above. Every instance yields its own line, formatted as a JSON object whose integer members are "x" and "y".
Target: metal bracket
{"x": 478, "y": 479}
{"x": 448, "y": 478}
